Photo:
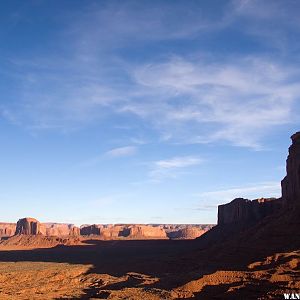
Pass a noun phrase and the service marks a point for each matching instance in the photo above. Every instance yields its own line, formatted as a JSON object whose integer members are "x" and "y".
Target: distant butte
{"x": 31, "y": 226}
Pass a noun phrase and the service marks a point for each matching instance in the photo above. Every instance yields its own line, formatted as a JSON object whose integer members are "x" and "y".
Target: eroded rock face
{"x": 28, "y": 226}
{"x": 245, "y": 211}
{"x": 138, "y": 231}
{"x": 60, "y": 229}
{"x": 90, "y": 229}
{"x": 111, "y": 232}
{"x": 186, "y": 233}
{"x": 290, "y": 185}
{"x": 74, "y": 231}
{"x": 7, "y": 229}
{"x": 147, "y": 231}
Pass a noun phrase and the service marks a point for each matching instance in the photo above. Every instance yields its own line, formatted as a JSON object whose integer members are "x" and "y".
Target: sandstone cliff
{"x": 245, "y": 211}
{"x": 186, "y": 233}
{"x": 111, "y": 232}
{"x": 59, "y": 229}
{"x": 106, "y": 232}
{"x": 133, "y": 231}
{"x": 90, "y": 229}
{"x": 146, "y": 231}
{"x": 28, "y": 226}
{"x": 7, "y": 229}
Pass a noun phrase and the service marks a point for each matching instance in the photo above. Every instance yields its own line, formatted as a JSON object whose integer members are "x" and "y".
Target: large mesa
{"x": 28, "y": 226}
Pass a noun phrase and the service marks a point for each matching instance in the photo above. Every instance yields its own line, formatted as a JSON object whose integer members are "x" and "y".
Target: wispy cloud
{"x": 235, "y": 102}
{"x": 188, "y": 98}
{"x": 173, "y": 167}
{"x": 112, "y": 153}
{"x": 211, "y": 199}
{"x": 121, "y": 151}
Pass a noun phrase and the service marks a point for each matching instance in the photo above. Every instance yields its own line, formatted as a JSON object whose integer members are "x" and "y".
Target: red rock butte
{"x": 31, "y": 226}
{"x": 28, "y": 226}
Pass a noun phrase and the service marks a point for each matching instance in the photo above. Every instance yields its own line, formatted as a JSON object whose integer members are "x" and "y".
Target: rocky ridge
{"x": 7, "y": 229}
{"x": 31, "y": 226}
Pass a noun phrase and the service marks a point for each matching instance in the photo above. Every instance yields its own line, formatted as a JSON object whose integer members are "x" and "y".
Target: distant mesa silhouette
{"x": 245, "y": 211}
{"x": 31, "y": 226}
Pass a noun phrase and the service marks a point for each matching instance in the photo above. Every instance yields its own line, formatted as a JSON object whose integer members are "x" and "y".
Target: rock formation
{"x": 105, "y": 231}
{"x": 245, "y": 211}
{"x": 111, "y": 232}
{"x": 90, "y": 229}
{"x": 290, "y": 185}
{"x": 146, "y": 231}
{"x": 74, "y": 231}
{"x": 7, "y": 229}
{"x": 28, "y": 226}
{"x": 186, "y": 233}
{"x": 60, "y": 229}
{"x": 133, "y": 231}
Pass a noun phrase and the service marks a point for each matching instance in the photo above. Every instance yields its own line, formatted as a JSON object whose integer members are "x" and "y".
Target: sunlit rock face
{"x": 7, "y": 229}
{"x": 74, "y": 231}
{"x": 290, "y": 185}
{"x": 111, "y": 232}
{"x": 28, "y": 226}
{"x": 147, "y": 231}
{"x": 59, "y": 229}
{"x": 187, "y": 233}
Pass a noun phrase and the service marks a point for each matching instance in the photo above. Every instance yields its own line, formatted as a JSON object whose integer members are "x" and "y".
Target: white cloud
{"x": 188, "y": 99}
{"x": 173, "y": 167}
{"x": 178, "y": 162}
{"x": 112, "y": 153}
{"x": 237, "y": 101}
{"x": 253, "y": 191}
{"x": 122, "y": 151}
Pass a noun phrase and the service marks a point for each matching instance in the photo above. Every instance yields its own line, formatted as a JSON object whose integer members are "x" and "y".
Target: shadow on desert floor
{"x": 171, "y": 263}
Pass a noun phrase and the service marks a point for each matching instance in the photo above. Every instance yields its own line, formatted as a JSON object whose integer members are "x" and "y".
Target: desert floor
{"x": 162, "y": 269}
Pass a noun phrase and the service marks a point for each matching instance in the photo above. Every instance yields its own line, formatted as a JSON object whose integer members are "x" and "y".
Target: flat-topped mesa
{"x": 7, "y": 229}
{"x": 290, "y": 185}
{"x": 28, "y": 226}
{"x": 245, "y": 211}
{"x": 147, "y": 232}
{"x": 59, "y": 229}
{"x": 90, "y": 229}
{"x": 186, "y": 233}
{"x": 74, "y": 231}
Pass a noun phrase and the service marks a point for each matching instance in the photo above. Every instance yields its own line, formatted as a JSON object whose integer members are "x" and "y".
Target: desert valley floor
{"x": 154, "y": 269}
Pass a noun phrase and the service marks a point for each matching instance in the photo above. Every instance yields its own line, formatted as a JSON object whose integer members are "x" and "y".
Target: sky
{"x": 144, "y": 111}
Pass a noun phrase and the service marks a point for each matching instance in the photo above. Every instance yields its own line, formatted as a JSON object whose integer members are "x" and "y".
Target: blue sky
{"x": 144, "y": 111}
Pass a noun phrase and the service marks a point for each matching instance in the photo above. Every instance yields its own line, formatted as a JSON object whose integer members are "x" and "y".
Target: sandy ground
{"x": 143, "y": 270}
